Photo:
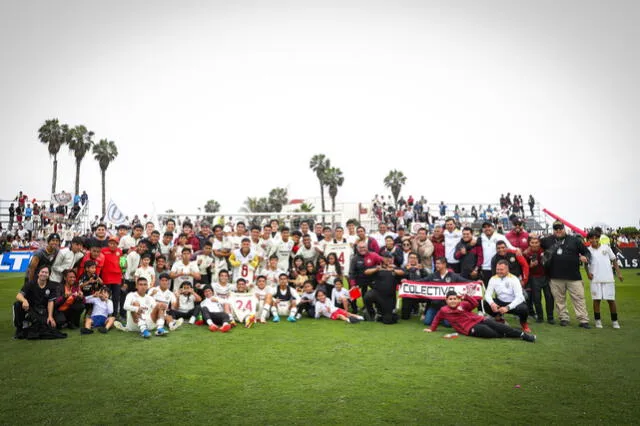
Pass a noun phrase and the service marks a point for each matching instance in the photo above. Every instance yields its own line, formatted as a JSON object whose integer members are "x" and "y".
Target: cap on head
{"x": 53, "y": 236}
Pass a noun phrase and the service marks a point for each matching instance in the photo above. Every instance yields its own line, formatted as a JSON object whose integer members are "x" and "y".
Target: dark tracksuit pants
{"x": 218, "y": 318}
{"x": 522, "y": 311}
{"x": 490, "y": 329}
{"x": 540, "y": 287}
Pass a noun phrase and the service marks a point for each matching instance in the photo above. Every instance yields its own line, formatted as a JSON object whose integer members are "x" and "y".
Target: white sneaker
{"x": 176, "y": 324}
{"x": 616, "y": 324}
{"x": 119, "y": 326}
{"x": 598, "y": 323}
{"x": 192, "y": 320}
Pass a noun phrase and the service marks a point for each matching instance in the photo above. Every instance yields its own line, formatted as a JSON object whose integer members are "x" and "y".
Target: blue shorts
{"x": 98, "y": 320}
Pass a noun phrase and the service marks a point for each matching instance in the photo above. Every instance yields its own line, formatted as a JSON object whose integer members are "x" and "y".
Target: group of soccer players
{"x": 221, "y": 277}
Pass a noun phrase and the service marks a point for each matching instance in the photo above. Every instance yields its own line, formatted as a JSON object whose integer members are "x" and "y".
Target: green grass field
{"x": 325, "y": 372}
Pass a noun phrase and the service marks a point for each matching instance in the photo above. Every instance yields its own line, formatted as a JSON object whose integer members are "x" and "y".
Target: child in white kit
{"x": 324, "y": 307}
{"x": 340, "y": 296}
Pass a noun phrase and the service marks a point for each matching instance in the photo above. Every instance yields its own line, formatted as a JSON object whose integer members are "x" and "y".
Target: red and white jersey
{"x": 283, "y": 250}
{"x": 343, "y": 252}
{"x": 261, "y": 294}
{"x": 272, "y": 276}
{"x": 247, "y": 267}
{"x": 161, "y": 296}
{"x": 243, "y": 304}
{"x": 221, "y": 291}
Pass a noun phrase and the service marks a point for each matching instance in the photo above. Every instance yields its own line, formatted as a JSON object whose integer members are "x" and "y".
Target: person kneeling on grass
{"x": 215, "y": 311}
{"x": 101, "y": 314}
{"x": 326, "y": 308}
{"x": 509, "y": 296}
{"x": 459, "y": 315}
{"x": 143, "y": 313}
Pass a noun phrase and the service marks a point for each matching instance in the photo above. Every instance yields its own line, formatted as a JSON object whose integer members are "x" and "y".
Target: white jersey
{"x": 211, "y": 305}
{"x": 343, "y": 251}
{"x": 161, "y": 296}
{"x": 272, "y": 277}
{"x": 219, "y": 263}
{"x": 203, "y": 262}
{"x": 261, "y": 294}
{"x": 187, "y": 303}
{"x": 235, "y": 241}
{"x": 247, "y": 267}
{"x": 337, "y": 295}
{"x": 146, "y": 304}
{"x": 243, "y": 305}
{"x": 325, "y": 309}
{"x": 351, "y": 239}
{"x": 489, "y": 248}
{"x": 222, "y": 292}
{"x": 450, "y": 241}
{"x": 178, "y": 267}
{"x": 127, "y": 242}
{"x": 331, "y": 274}
{"x": 283, "y": 250}
{"x": 149, "y": 273}
{"x": 308, "y": 254}
{"x": 600, "y": 264}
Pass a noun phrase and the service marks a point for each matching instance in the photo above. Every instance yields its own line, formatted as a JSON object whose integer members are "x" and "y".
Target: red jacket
{"x": 520, "y": 241}
{"x": 461, "y": 319}
{"x": 99, "y": 262}
{"x": 438, "y": 248}
{"x": 111, "y": 272}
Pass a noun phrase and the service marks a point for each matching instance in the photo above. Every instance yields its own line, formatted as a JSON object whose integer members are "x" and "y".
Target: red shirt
{"x": 99, "y": 262}
{"x": 520, "y": 241}
{"x": 461, "y": 318}
{"x": 111, "y": 272}
{"x": 438, "y": 248}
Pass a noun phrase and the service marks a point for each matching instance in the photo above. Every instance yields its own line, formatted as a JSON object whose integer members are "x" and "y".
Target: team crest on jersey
{"x": 512, "y": 259}
{"x": 604, "y": 252}
{"x": 448, "y": 279}
{"x": 47, "y": 292}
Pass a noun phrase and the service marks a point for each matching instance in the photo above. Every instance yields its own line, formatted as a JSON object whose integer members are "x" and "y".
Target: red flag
{"x": 354, "y": 292}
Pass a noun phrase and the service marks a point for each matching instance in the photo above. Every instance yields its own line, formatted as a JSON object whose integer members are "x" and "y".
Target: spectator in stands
{"x": 443, "y": 209}
{"x": 84, "y": 198}
{"x": 565, "y": 254}
{"x": 12, "y": 213}
{"x": 468, "y": 252}
{"x": 518, "y": 237}
{"x": 382, "y": 233}
{"x": 538, "y": 282}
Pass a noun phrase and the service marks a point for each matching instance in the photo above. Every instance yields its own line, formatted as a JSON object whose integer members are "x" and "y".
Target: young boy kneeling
{"x": 459, "y": 315}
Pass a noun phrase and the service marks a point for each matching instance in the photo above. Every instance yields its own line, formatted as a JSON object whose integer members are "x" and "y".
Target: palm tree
{"x": 104, "y": 152}
{"x": 80, "y": 142}
{"x": 278, "y": 197}
{"x": 394, "y": 181}
{"x": 256, "y": 205}
{"x": 333, "y": 179}
{"x": 212, "y": 206}
{"x": 319, "y": 164}
{"x": 54, "y": 135}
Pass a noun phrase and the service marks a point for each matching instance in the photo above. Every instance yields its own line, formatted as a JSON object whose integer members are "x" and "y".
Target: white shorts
{"x": 603, "y": 291}
{"x": 284, "y": 308}
{"x": 132, "y": 326}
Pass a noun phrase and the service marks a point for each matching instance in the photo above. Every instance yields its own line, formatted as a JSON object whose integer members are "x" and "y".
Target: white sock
{"x": 160, "y": 322}
{"x": 225, "y": 323}
{"x": 265, "y": 312}
{"x": 209, "y": 322}
{"x": 274, "y": 311}
{"x": 142, "y": 324}
{"x": 294, "y": 311}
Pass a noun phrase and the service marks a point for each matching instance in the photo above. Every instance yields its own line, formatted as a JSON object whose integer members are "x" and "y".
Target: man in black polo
{"x": 565, "y": 253}
{"x": 34, "y": 307}
{"x": 43, "y": 258}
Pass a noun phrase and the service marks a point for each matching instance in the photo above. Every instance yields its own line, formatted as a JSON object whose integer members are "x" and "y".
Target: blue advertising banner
{"x": 15, "y": 261}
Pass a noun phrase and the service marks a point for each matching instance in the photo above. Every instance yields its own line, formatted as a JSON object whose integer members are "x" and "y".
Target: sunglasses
{"x": 558, "y": 228}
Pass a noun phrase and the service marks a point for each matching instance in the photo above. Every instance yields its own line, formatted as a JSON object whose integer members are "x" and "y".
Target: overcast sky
{"x": 224, "y": 100}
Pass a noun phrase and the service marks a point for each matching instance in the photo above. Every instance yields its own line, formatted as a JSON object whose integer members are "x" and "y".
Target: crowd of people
{"x": 142, "y": 279}
{"x": 405, "y": 212}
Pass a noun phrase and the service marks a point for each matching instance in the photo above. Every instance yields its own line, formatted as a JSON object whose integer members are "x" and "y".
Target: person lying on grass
{"x": 459, "y": 315}
{"x": 324, "y": 307}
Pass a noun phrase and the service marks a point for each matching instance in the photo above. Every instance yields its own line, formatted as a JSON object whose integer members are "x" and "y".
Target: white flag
{"x": 114, "y": 215}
